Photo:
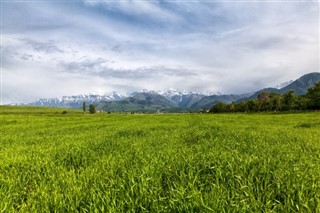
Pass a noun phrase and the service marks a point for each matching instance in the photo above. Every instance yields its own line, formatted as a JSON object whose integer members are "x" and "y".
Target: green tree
{"x": 313, "y": 95}
{"x": 302, "y": 102}
{"x": 241, "y": 107}
{"x": 263, "y": 99}
{"x": 84, "y": 107}
{"x": 92, "y": 109}
{"x": 252, "y": 106}
{"x": 231, "y": 107}
{"x": 219, "y": 107}
{"x": 275, "y": 103}
{"x": 289, "y": 100}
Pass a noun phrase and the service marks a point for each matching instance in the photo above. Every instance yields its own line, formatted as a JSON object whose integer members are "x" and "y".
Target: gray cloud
{"x": 27, "y": 57}
{"x": 100, "y": 67}
{"x": 45, "y": 47}
{"x": 149, "y": 73}
{"x": 85, "y": 66}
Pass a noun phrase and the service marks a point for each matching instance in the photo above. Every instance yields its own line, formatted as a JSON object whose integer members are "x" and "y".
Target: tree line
{"x": 274, "y": 102}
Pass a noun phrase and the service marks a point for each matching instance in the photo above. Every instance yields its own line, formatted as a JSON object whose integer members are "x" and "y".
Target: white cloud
{"x": 106, "y": 46}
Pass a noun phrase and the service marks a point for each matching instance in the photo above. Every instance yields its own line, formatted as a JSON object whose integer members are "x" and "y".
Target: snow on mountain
{"x": 282, "y": 85}
{"x": 76, "y": 101}
{"x": 184, "y": 98}
{"x": 178, "y": 98}
{"x": 174, "y": 92}
{"x": 181, "y": 98}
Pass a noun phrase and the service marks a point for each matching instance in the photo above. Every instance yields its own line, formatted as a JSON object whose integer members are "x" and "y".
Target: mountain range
{"x": 171, "y": 100}
{"x": 300, "y": 86}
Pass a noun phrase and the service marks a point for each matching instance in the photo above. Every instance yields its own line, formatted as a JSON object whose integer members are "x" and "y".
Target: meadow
{"x": 75, "y": 162}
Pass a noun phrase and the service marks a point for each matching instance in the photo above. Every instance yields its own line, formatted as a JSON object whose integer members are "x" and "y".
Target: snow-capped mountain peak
{"x": 175, "y": 92}
{"x": 179, "y": 97}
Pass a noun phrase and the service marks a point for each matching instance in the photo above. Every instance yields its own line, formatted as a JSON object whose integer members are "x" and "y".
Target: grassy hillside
{"x": 158, "y": 163}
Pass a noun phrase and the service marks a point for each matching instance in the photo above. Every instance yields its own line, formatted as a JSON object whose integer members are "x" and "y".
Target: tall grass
{"x": 159, "y": 163}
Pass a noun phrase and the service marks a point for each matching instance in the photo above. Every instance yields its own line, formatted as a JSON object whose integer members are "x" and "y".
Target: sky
{"x": 59, "y": 48}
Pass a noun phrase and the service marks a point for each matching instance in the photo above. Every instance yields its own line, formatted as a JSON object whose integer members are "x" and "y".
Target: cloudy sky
{"x": 56, "y": 48}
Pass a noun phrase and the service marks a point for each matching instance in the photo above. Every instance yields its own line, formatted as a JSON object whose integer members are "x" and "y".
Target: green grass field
{"x": 75, "y": 162}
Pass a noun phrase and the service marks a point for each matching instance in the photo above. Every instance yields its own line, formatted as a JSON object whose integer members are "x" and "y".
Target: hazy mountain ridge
{"x": 195, "y": 101}
{"x": 171, "y": 100}
{"x": 181, "y": 98}
{"x": 300, "y": 86}
{"x": 209, "y": 101}
{"x": 172, "y": 97}
{"x": 142, "y": 102}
